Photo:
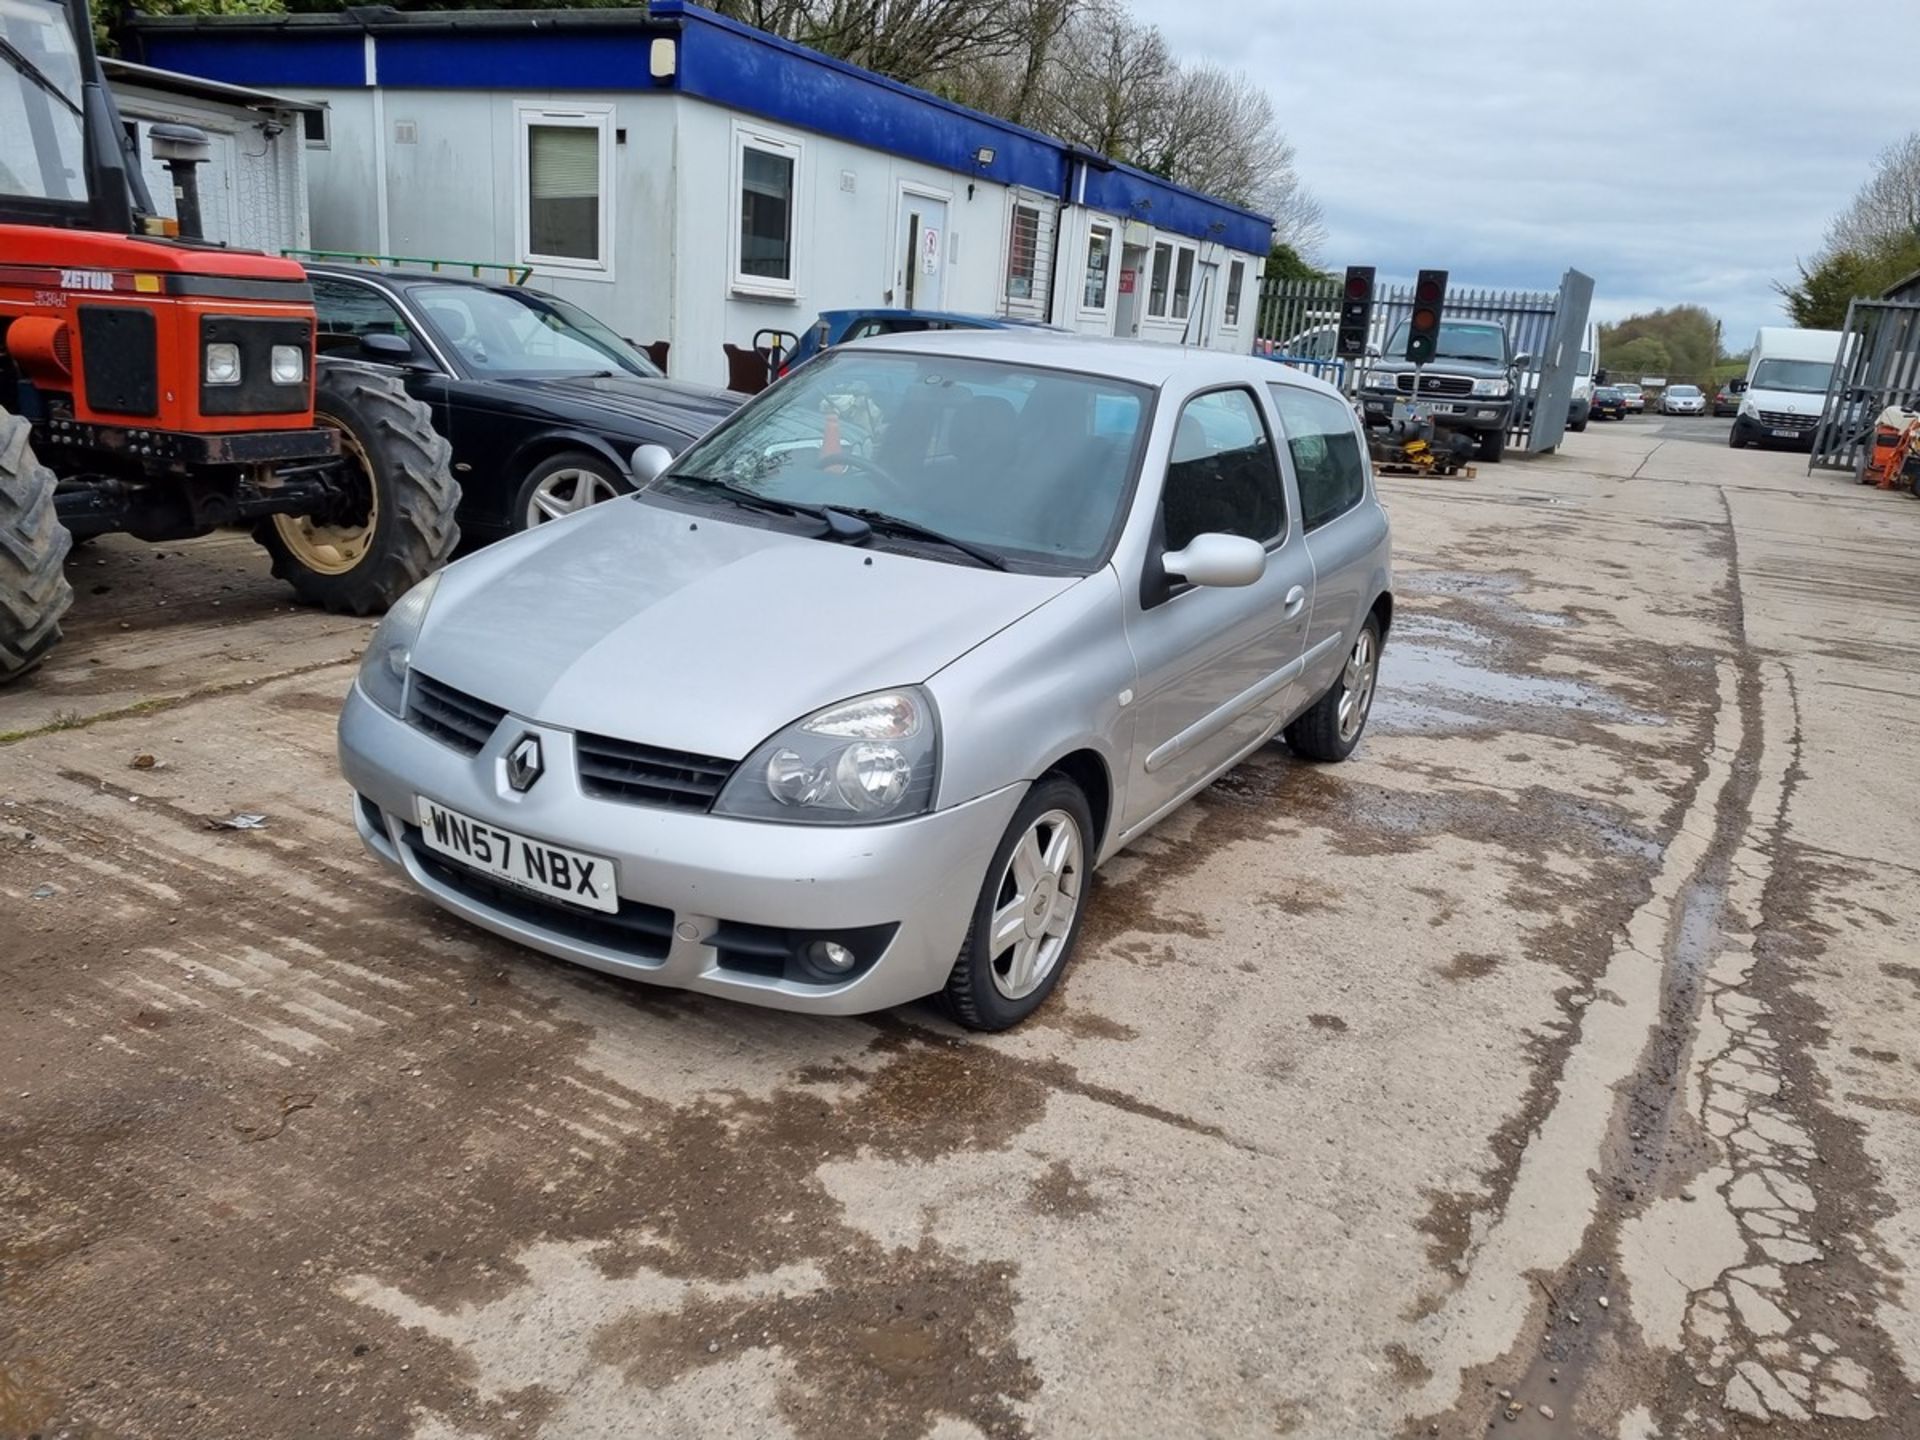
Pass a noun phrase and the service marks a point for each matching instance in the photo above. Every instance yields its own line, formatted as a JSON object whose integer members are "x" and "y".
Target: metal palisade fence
{"x": 1299, "y": 321}
{"x": 1879, "y": 366}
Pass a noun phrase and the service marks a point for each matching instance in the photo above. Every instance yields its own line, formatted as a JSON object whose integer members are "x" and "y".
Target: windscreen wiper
{"x": 752, "y": 499}
{"x": 18, "y": 58}
{"x": 897, "y": 525}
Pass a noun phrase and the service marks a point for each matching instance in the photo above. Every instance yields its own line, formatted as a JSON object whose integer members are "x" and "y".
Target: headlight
{"x": 223, "y": 364}
{"x": 866, "y": 760}
{"x": 1383, "y": 380}
{"x": 383, "y": 669}
{"x": 288, "y": 364}
{"x": 1495, "y": 389}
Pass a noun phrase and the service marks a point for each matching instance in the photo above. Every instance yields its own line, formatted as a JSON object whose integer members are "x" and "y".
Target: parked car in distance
{"x": 1632, "y": 396}
{"x": 1609, "y": 404}
{"x": 542, "y": 404}
{"x": 1683, "y": 400}
{"x": 837, "y": 327}
{"x": 950, "y": 620}
{"x": 1471, "y": 386}
{"x": 1726, "y": 400}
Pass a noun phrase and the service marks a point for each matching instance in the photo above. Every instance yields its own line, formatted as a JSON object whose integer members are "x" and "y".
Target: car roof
{"x": 390, "y": 275}
{"x": 1145, "y": 362}
{"x": 951, "y": 317}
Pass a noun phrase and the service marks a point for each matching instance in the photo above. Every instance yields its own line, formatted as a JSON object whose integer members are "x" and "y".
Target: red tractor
{"x": 167, "y": 386}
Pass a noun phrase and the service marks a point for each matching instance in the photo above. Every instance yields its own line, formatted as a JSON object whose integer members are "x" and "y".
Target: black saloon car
{"x": 542, "y": 404}
{"x": 1609, "y": 404}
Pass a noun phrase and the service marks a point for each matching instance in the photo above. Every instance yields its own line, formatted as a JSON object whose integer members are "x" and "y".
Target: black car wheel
{"x": 562, "y": 485}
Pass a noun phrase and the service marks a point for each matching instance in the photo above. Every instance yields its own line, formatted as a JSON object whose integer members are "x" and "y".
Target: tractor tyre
{"x": 34, "y": 593}
{"x": 394, "y": 524}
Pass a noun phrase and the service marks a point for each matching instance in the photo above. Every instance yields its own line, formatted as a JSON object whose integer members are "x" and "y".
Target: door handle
{"x": 1296, "y": 597}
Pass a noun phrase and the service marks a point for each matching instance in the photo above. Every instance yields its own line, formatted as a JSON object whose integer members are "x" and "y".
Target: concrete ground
{"x": 1555, "y": 1059}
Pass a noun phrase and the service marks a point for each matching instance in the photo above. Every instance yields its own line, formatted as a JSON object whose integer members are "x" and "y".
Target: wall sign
{"x": 929, "y": 250}
{"x": 1127, "y": 278}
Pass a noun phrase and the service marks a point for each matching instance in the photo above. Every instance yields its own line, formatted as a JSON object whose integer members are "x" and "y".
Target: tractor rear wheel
{"x": 394, "y": 526}
{"x": 34, "y": 593}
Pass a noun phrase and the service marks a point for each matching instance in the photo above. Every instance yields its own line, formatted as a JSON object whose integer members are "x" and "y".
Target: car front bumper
{"x": 702, "y": 882}
{"x": 1449, "y": 412}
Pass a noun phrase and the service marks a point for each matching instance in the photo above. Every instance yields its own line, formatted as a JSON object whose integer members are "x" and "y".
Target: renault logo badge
{"x": 525, "y": 764}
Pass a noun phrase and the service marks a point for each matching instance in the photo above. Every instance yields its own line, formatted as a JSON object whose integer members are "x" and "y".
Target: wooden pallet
{"x": 1387, "y": 467}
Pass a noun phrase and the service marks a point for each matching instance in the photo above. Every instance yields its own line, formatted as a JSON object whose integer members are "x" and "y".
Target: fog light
{"x": 830, "y": 955}
{"x": 223, "y": 364}
{"x": 288, "y": 365}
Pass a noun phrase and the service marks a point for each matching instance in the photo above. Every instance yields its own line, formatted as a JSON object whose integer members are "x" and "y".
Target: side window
{"x": 1221, "y": 476}
{"x": 1023, "y": 252}
{"x": 768, "y": 170}
{"x": 348, "y": 311}
{"x": 1183, "y": 283}
{"x": 1162, "y": 278}
{"x": 1236, "y": 280}
{"x": 564, "y": 218}
{"x": 1327, "y": 458}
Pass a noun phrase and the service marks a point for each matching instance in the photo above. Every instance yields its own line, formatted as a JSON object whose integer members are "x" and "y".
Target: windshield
{"x": 522, "y": 332}
{"x": 1809, "y": 377}
{"x": 1031, "y": 464}
{"x": 41, "y": 142}
{"x": 1684, "y": 392}
{"x": 1457, "y": 342}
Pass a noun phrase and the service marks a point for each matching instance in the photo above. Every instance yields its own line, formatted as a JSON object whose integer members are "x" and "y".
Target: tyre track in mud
{"x": 1583, "y": 1362}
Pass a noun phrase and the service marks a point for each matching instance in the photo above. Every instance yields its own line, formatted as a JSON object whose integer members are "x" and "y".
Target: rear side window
{"x": 1221, "y": 476}
{"x": 1326, "y": 452}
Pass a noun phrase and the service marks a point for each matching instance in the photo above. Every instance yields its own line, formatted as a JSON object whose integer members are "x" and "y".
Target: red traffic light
{"x": 1427, "y": 291}
{"x": 1358, "y": 287}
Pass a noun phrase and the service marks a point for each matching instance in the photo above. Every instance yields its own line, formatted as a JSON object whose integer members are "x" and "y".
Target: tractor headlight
{"x": 223, "y": 364}
{"x": 287, "y": 364}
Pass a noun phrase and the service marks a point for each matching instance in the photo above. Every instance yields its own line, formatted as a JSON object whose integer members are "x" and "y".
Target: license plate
{"x": 1786, "y": 434}
{"x": 548, "y": 870}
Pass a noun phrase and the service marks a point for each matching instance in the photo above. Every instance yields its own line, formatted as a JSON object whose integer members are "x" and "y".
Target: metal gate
{"x": 1879, "y": 365}
{"x": 1299, "y": 320}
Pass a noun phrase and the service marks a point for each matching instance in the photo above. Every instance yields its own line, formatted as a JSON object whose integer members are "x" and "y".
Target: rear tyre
{"x": 394, "y": 525}
{"x": 1579, "y": 424}
{"x": 1491, "y": 446}
{"x": 34, "y": 593}
{"x": 1027, "y": 919}
{"x": 563, "y": 484}
{"x": 1328, "y": 732}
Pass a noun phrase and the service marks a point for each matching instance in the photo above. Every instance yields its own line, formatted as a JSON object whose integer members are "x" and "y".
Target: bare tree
{"x": 1886, "y": 211}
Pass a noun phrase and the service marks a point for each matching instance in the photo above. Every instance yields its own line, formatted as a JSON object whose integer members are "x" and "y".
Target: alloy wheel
{"x": 1356, "y": 685}
{"x": 566, "y": 491}
{"x": 1035, "y": 905}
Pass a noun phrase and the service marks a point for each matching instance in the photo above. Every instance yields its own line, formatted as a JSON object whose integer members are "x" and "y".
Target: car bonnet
{"x": 696, "y": 633}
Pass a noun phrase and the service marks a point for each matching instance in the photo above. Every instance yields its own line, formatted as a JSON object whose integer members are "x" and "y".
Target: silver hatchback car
{"x": 845, "y": 705}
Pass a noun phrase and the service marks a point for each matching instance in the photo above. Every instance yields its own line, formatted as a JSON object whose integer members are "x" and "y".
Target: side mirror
{"x": 1373, "y": 352}
{"x": 388, "y": 349}
{"x": 1221, "y": 560}
{"x": 1523, "y": 360}
{"x": 1600, "y": 377}
{"x": 647, "y": 462}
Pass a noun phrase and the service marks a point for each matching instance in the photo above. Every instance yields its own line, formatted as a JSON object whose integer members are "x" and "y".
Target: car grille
{"x": 637, "y": 931}
{"x": 647, "y": 775}
{"x": 1437, "y": 385}
{"x": 1786, "y": 420}
{"x": 456, "y": 719}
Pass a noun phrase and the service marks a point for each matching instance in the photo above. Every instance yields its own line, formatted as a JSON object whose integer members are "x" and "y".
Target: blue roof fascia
{"x": 318, "y": 60}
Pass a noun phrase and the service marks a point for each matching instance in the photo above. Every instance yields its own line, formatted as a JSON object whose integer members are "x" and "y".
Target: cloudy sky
{"x": 1676, "y": 153}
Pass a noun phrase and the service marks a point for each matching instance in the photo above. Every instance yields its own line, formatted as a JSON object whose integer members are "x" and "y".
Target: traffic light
{"x": 1423, "y": 327}
{"x": 1356, "y": 312}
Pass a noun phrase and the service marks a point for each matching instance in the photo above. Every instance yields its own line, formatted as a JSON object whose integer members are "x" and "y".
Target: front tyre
{"x": 1332, "y": 727}
{"x": 563, "y": 484}
{"x": 1027, "y": 919}
{"x": 34, "y": 593}
{"x": 1491, "y": 446}
{"x": 392, "y": 523}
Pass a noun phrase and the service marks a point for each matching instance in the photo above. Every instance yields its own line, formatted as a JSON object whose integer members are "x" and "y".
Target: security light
{"x": 983, "y": 157}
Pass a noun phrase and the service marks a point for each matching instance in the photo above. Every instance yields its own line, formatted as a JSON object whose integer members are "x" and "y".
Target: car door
{"x": 1326, "y": 451}
{"x": 1216, "y": 665}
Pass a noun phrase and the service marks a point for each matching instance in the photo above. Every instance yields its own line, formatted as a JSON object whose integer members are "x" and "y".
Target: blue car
{"x": 836, "y": 327}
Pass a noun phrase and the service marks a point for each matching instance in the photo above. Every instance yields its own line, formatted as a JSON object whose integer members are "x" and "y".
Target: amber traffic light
{"x": 1423, "y": 327}
{"x": 1356, "y": 312}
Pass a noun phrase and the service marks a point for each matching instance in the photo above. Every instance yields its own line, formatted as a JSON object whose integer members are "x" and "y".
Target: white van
{"x": 1787, "y": 377}
{"x": 1583, "y": 379}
